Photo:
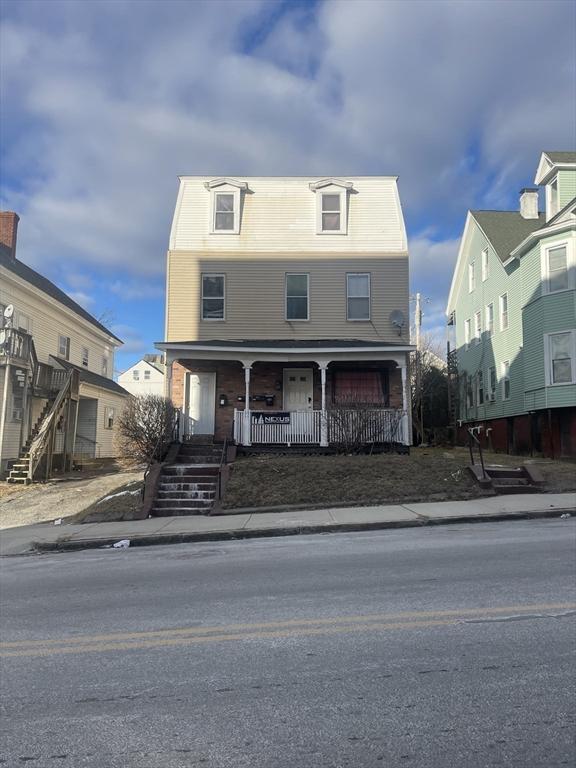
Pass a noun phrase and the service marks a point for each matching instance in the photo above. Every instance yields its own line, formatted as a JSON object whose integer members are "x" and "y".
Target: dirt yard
{"x": 63, "y": 498}
{"x": 428, "y": 474}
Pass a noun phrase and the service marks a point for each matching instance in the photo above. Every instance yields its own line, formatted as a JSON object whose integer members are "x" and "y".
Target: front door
{"x": 200, "y": 403}
{"x": 298, "y": 389}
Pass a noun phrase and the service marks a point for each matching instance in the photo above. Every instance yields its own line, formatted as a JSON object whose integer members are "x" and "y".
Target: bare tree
{"x": 428, "y": 382}
{"x": 146, "y": 427}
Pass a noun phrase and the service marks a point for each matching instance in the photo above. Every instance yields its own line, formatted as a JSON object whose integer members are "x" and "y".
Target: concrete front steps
{"x": 188, "y": 486}
{"x": 505, "y": 480}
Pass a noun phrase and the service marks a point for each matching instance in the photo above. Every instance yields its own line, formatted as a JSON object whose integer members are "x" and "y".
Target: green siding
{"x": 503, "y": 345}
{"x": 566, "y": 187}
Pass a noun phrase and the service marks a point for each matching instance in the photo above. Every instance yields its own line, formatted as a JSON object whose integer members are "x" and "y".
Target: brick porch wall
{"x": 266, "y": 379}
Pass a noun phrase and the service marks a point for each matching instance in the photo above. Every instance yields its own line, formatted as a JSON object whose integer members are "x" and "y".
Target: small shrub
{"x": 146, "y": 427}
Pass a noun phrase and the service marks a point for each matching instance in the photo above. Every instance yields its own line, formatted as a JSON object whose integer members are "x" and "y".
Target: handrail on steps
{"x": 223, "y": 460}
{"x": 471, "y": 440}
{"x": 38, "y": 445}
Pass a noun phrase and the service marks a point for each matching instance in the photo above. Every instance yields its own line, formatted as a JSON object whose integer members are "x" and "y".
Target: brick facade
{"x": 266, "y": 379}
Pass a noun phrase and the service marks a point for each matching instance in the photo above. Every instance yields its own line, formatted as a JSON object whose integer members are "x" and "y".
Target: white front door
{"x": 200, "y": 403}
{"x": 298, "y": 389}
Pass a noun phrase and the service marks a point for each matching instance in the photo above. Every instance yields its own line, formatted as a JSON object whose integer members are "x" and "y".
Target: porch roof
{"x": 321, "y": 351}
{"x": 288, "y": 345}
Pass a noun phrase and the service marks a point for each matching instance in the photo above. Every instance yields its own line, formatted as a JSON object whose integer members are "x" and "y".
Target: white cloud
{"x": 100, "y": 123}
{"x": 81, "y": 298}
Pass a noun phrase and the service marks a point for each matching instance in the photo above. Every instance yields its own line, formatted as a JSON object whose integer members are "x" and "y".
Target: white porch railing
{"x": 381, "y": 425}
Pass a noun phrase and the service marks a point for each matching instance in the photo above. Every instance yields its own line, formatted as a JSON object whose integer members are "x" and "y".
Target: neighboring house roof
{"x": 145, "y": 362}
{"x": 561, "y": 157}
{"x": 287, "y": 344}
{"x": 506, "y": 229}
{"x": 89, "y": 377}
{"x": 46, "y": 286}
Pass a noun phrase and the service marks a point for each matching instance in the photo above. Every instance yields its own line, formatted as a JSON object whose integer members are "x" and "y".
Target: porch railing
{"x": 381, "y": 425}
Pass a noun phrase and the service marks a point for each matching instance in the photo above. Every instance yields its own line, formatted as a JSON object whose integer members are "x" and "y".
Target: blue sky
{"x": 105, "y": 102}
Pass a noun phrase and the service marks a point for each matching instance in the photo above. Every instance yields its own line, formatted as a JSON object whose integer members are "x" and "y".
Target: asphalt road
{"x": 433, "y": 648}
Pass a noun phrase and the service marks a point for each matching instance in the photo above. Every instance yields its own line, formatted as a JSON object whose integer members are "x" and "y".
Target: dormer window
{"x": 225, "y": 205}
{"x": 331, "y": 212}
{"x": 331, "y": 206}
{"x": 224, "y": 212}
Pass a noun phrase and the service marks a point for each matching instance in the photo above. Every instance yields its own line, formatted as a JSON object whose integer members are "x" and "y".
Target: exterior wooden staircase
{"x": 19, "y": 472}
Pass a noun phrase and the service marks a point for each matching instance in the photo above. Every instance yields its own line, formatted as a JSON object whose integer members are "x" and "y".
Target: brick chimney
{"x": 529, "y": 203}
{"x": 9, "y": 230}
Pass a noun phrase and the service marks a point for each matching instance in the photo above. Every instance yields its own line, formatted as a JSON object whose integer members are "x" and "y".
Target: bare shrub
{"x": 353, "y": 425}
{"x": 146, "y": 426}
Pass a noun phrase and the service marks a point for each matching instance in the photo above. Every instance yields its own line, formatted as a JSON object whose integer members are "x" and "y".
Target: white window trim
{"x": 297, "y": 320}
{"x": 501, "y": 313}
{"x": 468, "y": 332}
{"x": 503, "y": 380}
{"x": 343, "y": 194}
{"x": 237, "y": 200}
{"x": 570, "y": 245}
{"x": 548, "y": 359}
{"x": 68, "y": 345}
{"x": 109, "y": 411}
{"x": 489, "y": 331}
{"x": 364, "y": 319}
{"x": 471, "y": 277}
{"x": 85, "y": 356}
{"x": 477, "y": 327}
{"x": 485, "y": 265}
{"x": 492, "y": 391}
{"x": 212, "y": 319}
{"x": 480, "y": 375}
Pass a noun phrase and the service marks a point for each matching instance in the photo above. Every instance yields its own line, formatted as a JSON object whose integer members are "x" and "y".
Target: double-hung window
{"x": 64, "y": 347}
{"x": 492, "y": 382}
{"x": 467, "y": 332}
{"x": 136, "y": 375}
{"x": 556, "y": 268}
{"x": 485, "y": 268}
{"x": 505, "y": 367}
{"x": 490, "y": 319}
{"x": 561, "y": 358}
{"x": 504, "y": 312}
{"x": 146, "y": 375}
{"x": 109, "y": 417}
{"x": 297, "y": 297}
{"x": 358, "y": 296}
{"x": 212, "y": 299}
{"x": 477, "y": 327}
{"x": 224, "y": 212}
{"x": 471, "y": 277}
{"x": 85, "y": 356}
{"x": 480, "y": 388}
{"x": 331, "y": 212}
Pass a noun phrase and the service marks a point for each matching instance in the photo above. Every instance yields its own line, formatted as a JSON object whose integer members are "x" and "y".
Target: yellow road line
{"x": 287, "y": 628}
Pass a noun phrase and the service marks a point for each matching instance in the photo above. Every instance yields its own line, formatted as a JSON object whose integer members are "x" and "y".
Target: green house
{"x": 512, "y": 308}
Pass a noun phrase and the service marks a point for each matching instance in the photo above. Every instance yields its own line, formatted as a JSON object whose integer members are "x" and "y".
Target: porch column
{"x": 323, "y": 416}
{"x": 405, "y": 417}
{"x": 247, "y": 436}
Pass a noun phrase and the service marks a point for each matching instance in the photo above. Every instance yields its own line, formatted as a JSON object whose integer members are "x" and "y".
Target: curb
{"x": 63, "y": 545}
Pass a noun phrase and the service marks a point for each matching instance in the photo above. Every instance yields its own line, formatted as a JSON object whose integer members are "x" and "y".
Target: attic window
{"x": 331, "y": 212}
{"x": 225, "y": 205}
{"x": 331, "y": 206}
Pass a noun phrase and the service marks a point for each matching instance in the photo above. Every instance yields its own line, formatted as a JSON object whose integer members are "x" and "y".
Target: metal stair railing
{"x": 474, "y": 442}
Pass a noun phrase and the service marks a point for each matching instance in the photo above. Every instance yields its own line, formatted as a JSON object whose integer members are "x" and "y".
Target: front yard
{"x": 428, "y": 474}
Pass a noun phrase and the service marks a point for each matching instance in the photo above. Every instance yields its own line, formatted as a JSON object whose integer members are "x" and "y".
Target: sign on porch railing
{"x": 261, "y": 417}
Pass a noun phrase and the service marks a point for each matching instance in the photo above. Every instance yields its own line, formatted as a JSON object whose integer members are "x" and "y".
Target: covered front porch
{"x": 292, "y": 394}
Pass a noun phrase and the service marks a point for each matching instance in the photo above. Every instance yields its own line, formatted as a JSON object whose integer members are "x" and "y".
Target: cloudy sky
{"x": 105, "y": 102}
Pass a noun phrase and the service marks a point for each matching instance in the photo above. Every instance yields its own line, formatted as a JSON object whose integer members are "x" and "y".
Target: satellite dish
{"x": 9, "y": 311}
{"x": 397, "y": 318}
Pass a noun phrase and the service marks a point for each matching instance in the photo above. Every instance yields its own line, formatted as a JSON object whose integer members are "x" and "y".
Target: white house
{"x": 146, "y": 377}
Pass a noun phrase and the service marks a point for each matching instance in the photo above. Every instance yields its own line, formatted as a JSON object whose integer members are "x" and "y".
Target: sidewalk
{"x": 172, "y": 530}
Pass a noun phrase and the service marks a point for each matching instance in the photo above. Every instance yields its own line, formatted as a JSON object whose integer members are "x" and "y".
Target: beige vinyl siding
{"x": 50, "y": 319}
{"x": 106, "y": 438}
{"x": 11, "y": 437}
{"x": 279, "y": 214}
{"x": 255, "y": 295}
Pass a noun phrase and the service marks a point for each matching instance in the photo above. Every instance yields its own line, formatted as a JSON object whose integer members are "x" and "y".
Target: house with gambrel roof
{"x": 512, "y": 309}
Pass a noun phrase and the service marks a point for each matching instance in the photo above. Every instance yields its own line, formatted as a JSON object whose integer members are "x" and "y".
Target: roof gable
{"x": 225, "y": 180}
{"x": 330, "y": 182}
{"x": 506, "y": 229}
{"x": 47, "y": 287}
{"x": 549, "y": 161}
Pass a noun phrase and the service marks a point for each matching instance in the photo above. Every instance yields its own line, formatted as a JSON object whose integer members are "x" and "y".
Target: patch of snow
{"x": 120, "y": 493}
